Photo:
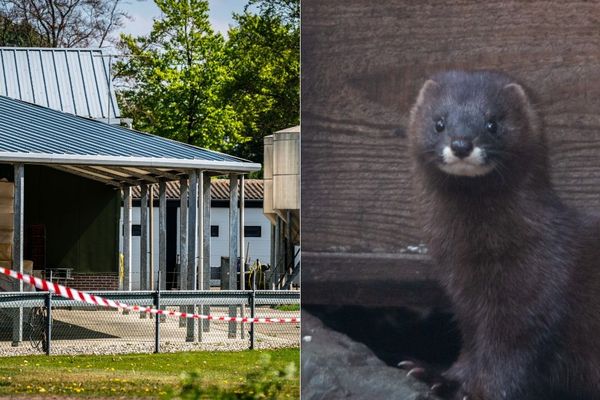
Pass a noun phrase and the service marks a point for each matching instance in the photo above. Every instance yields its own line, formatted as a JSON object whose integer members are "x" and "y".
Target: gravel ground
{"x": 96, "y": 347}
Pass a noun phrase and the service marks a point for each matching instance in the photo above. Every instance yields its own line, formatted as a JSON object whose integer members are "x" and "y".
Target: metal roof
{"x": 74, "y": 81}
{"x": 219, "y": 189}
{"x": 35, "y": 134}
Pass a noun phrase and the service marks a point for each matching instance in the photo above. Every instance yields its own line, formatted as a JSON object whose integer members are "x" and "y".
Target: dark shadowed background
{"x": 363, "y": 63}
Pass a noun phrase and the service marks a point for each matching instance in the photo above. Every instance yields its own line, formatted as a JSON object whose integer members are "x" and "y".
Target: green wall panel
{"x": 81, "y": 218}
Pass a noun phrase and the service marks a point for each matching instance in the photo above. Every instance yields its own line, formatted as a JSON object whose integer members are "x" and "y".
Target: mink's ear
{"x": 516, "y": 90}
{"x": 517, "y": 95}
{"x": 428, "y": 88}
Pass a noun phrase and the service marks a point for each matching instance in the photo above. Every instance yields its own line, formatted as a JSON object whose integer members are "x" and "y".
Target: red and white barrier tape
{"x": 84, "y": 297}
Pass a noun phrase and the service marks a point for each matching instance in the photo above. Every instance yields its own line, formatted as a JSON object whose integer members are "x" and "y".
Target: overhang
{"x": 111, "y": 154}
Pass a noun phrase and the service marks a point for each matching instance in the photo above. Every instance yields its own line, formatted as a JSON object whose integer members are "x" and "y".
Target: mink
{"x": 521, "y": 268}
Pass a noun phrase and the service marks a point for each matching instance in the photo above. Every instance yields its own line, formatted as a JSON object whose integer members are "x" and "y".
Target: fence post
{"x": 48, "y": 301}
{"x": 157, "y": 316}
{"x": 252, "y": 309}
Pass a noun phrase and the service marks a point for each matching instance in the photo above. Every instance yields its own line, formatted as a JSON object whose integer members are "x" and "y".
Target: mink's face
{"x": 468, "y": 124}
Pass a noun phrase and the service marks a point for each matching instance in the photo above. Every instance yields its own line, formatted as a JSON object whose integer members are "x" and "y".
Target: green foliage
{"x": 264, "y": 68}
{"x": 19, "y": 34}
{"x": 267, "y": 381}
{"x": 286, "y": 307}
{"x": 138, "y": 375}
{"x": 175, "y": 77}
{"x": 188, "y": 83}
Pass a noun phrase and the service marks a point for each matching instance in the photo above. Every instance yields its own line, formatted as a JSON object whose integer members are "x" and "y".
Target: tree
{"x": 173, "y": 79}
{"x": 263, "y": 53}
{"x": 286, "y": 10}
{"x": 19, "y": 34}
{"x": 65, "y": 23}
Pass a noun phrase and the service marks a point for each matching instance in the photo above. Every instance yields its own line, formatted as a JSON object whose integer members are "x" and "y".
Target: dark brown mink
{"x": 521, "y": 268}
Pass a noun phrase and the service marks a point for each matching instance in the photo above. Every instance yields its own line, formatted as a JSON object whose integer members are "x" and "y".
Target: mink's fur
{"x": 521, "y": 268}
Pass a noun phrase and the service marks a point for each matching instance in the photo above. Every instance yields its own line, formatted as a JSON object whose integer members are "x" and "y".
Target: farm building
{"x": 257, "y": 228}
{"x": 65, "y": 171}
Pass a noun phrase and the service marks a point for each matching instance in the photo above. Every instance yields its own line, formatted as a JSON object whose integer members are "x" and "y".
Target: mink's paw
{"x": 438, "y": 384}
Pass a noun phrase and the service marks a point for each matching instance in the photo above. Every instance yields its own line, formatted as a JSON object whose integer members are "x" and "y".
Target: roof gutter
{"x": 152, "y": 162}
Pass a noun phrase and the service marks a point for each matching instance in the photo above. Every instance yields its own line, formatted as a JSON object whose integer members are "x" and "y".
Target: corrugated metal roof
{"x": 75, "y": 81}
{"x": 35, "y": 134}
{"x": 219, "y": 189}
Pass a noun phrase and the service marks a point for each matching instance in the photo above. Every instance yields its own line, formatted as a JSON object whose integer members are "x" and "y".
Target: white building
{"x": 257, "y": 232}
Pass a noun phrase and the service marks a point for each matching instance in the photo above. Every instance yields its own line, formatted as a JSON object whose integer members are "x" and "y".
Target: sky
{"x": 144, "y": 11}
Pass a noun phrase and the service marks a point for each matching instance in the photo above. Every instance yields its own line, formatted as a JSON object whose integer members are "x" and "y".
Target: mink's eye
{"x": 491, "y": 126}
{"x": 439, "y": 125}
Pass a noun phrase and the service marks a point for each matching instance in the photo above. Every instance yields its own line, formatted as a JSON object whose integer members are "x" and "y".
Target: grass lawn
{"x": 146, "y": 375}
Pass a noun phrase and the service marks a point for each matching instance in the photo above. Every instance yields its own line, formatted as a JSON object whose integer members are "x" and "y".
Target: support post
{"x": 242, "y": 255}
{"x": 234, "y": 227}
{"x": 17, "y": 256}
{"x": 206, "y": 204}
{"x": 157, "y": 318}
{"x": 162, "y": 234}
{"x": 242, "y": 245}
{"x": 192, "y": 256}
{"x": 252, "y": 310}
{"x": 200, "y": 242}
{"x": 127, "y": 238}
{"x": 151, "y": 239}
{"x": 48, "y": 303}
{"x": 289, "y": 264}
{"x": 276, "y": 254}
{"x": 183, "y": 232}
{"x": 144, "y": 239}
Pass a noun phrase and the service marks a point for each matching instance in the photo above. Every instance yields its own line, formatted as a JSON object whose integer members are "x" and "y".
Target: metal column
{"x": 183, "y": 251}
{"x": 234, "y": 231}
{"x": 200, "y": 240}
{"x": 144, "y": 239}
{"x": 152, "y": 275}
{"x": 192, "y": 256}
{"x": 206, "y": 186}
{"x": 127, "y": 238}
{"x": 242, "y": 255}
{"x": 162, "y": 233}
{"x": 17, "y": 251}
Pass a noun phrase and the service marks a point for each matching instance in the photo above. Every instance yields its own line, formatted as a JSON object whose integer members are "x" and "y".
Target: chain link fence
{"x": 38, "y": 322}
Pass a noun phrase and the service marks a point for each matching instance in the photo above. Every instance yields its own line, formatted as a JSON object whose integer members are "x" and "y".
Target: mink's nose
{"x": 461, "y": 147}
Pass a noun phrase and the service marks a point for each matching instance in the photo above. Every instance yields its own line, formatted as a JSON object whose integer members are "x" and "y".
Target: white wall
{"x": 219, "y": 246}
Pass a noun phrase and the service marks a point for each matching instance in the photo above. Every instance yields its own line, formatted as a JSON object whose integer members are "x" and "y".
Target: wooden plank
{"x": 234, "y": 231}
{"x": 134, "y": 172}
{"x": 144, "y": 270}
{"x": 127, "y": 210}
{"x": 375, "y": 56}
{"x": 162, "y": 234}
{"x": 17, "y": 250}
{"x": 84, "y": 174}
{"x": 370, "y": 280}
{"x": 107, "y": 174}
{"x": 192, "y": 256}
{"x": 164, "y": 174}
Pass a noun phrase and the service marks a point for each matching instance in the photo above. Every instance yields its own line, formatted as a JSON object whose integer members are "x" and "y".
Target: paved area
{"x": 107, "y": 331}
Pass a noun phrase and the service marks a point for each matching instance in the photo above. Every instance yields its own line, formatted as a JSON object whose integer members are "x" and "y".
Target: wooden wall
{"x": 362, "y": 65}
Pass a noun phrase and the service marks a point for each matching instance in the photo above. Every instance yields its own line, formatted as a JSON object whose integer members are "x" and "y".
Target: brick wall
{"x": 95, "y": 281}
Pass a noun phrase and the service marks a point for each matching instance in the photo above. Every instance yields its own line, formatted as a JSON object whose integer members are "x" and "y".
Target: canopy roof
{"x": 115, "y": 155}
